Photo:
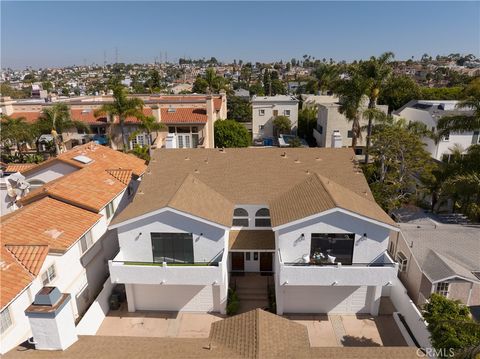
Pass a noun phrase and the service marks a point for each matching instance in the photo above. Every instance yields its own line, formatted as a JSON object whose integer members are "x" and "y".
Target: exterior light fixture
{"x": 335, "y": 283}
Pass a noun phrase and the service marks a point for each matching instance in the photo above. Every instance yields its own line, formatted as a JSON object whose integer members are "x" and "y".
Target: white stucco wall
{"x": 135, "y": 239}
{"x": 365, "y": 249}
{"x": 266, "y": 120}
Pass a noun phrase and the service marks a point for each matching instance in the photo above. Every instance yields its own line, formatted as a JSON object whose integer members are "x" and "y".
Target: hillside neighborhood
{"x": 190, "y": 206}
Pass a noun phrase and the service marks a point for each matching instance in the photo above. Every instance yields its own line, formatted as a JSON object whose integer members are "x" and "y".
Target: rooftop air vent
{"x": 171, "y": 109}
{"x": 83, "y": 159}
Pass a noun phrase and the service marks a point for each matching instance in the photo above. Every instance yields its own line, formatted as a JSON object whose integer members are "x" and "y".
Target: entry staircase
{"x": 252, "y": 291}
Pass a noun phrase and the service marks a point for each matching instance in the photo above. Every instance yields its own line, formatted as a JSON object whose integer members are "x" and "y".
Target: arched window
{"x": 262, "y": 218}
{"x": 35, "y": 183}
{"x": 240, "y": 217}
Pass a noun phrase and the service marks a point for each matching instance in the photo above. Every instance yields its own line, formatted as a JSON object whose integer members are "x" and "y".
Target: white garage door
{"x": 321, "y": 299}
{"x": 189, "y": 298}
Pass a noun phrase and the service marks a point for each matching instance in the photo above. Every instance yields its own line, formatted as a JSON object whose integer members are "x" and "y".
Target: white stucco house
{"x": 304, "y": 216}
{"x": 266, "y": 108}
{"x": 58, "y": 237}
{"x": 428, "y": 113}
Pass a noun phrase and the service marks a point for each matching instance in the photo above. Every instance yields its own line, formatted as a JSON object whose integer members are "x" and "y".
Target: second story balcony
{"x": 167, "y": 272}
{"x": 380, "y": 272}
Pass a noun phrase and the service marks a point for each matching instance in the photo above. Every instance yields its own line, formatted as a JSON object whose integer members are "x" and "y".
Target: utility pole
{"x": 116, "y": 55}
{"x": 104, "y": 58}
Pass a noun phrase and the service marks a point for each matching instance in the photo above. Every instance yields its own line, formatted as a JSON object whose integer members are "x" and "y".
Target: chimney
{"x": 336, "y": 139}
{"x": 157, "y": 113}
{"x": 6, "y": 105}
{"x": 51, "y": 320}
{"x": 211, "y": 118}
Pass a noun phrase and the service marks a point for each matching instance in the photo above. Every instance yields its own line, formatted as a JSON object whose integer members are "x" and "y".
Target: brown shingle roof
{"x": 47, "y": 222}
{"x": 259, "y": 334}
{"x": 251, "y": 239}
{"x": 14, "y": 277}
{"x": 258, "y": 176}
{"x": 30, "y": 256}
{"x": 317, "y": 194}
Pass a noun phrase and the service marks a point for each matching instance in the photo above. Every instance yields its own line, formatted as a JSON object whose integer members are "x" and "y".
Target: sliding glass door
{"x": 172, "y": 247}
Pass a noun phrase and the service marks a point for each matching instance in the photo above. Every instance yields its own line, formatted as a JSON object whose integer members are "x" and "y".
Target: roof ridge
{"x": 322, "y": 179}
{"x": 257, "y": 333}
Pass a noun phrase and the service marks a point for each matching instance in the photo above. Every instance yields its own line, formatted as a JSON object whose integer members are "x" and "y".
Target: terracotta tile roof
{"x": 317, "y": 194}
{"x": 19, "y": 167}
{"x": 260, "y": 334}
{"x": 103, "y": 158}
{"x": 30, "y": 256}
{"x": 47, "y": 222}
{"x": 90, "y": 188}
{"x": 122, "y": 175}
{"x": 257, "y": 176}
{"x": 87, "y": 116}
{"x": 31, "y": 116}
{"x": 14, "y": 277}
{"x": 131, "y": 119}
{"x": 217, "y": 99}
{"x": 251, "y": 239}
{"x": 184, "y": 115}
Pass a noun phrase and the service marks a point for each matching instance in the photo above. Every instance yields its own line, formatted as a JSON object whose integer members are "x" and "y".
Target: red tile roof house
{"x": 304, "y": 216}
{"x": 187, "y": 118}
{"x": 59, "y": 235}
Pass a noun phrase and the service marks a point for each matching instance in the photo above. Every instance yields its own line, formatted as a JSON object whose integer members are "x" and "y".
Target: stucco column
{"x": 375, "y": 299}
{"x": 209, "y": 138}
{"x": 130, "y": 297}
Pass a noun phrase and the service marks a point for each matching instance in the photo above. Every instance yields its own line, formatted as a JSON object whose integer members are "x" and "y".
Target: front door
{"x": 266, "y": 261}
{"x": 238, "y": 261}
{"x": 184, "y": 140}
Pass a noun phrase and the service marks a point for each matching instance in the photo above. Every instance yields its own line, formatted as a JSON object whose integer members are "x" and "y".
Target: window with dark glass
{"x": 240, "y": 217}
{"x": 350, "y": 134}
{"x": 337, "y": 245}
{"x": 172, "y": 247}
{"x": 262, "y": 218}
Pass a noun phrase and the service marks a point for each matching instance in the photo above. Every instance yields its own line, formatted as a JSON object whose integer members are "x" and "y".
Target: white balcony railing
{"x": 371, "y": 274}
{"x": 132, "y": 272}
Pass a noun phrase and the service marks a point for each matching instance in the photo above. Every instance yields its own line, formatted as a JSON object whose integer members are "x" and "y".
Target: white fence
{"x": 94, "y": 316}
{"x": 410, "y": 313}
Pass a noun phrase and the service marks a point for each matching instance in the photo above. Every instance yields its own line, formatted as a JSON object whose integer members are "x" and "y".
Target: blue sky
{"x": 41, "y": 34}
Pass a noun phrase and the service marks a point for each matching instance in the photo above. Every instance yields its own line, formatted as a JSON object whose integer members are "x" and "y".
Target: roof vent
{"x": 318, "y": 159}
{"x": 197, "y": 171}
{"x": 171, "y": 109}
{"x": 297, "y": 160}
{"x": 284, "y": 155}
{"x": 187, "y": 158}
{"x": 222, "y": 150}
{"x": 83, "y": 159}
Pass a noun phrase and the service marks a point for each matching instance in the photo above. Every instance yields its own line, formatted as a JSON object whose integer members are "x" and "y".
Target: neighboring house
{"x": 59, "y": 237}
{"x": 333, "y": 128}
{"x": 305, "y": 216}
{"x": 439, "y": 258}
{"x": 188, "y": 118}
{"x": 315, "y": 100}
{"x": 428, "y": 113}
{"x": 266, "y": 108}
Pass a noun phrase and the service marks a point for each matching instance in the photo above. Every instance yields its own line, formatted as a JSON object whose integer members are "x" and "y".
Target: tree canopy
{"x": 282, "y": 124}
{"x": 450, "y": 324}
{"x": 239, "y": 109}
{"x": 230, "y": 133}
{"x": 398, "y": 90}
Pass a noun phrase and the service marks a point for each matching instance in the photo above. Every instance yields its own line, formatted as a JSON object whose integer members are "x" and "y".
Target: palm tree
{"x": 121, "y": 107}
{"x": 148, "y": 124}
{"x": 17, "y": 131}
{"x": 351, "y": 93}
{"x": 55, "y": 120}
{"x": 462, "y": 123}
{"x": 374, "y": 72}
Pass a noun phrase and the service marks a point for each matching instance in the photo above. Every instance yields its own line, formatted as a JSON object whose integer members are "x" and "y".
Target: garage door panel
{"x": 322, "y": 299}
{"x": 191, "y": 298}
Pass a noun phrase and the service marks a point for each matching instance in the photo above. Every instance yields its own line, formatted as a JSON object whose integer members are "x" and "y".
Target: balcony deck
{"x": 356, "y": 274}
{"x": 138, "y": 272}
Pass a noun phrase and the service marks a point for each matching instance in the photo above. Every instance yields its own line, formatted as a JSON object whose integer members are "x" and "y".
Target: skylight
{"x": 83, "y": 159}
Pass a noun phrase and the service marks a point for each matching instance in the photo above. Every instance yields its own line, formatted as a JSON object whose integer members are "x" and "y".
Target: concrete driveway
{"x": 350, "y": 330}
{"x": 323, "y": 330}
{"x": 157, "y": 324}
